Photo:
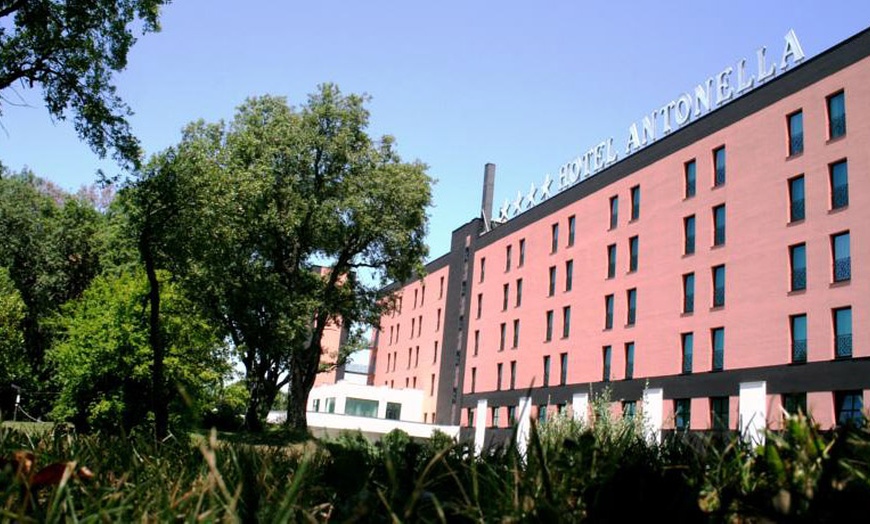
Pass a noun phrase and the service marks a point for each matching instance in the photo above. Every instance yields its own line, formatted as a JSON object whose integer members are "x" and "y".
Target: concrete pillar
{"x": 753, "y": 411}
{"x": 524, "y": 422}
{"x": 580, "y": 407}
{"x": 653, "y": 413}
{"x": 480, "y": 425}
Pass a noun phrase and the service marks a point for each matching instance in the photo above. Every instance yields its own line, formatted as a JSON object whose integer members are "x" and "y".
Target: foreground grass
{"x": 569, "y": 474}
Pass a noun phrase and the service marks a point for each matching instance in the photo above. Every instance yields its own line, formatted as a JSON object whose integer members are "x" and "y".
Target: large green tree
{"x": 71, "y": 49}
{"x": 273, "y": 197}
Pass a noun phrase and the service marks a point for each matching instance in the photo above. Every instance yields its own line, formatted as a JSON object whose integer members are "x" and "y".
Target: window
{"x": 635, "y": 202}
{"x": 359, "y": 407}
{"x": 569, "y": 275}
{"x": 682, "y": 414}
{"x": 476, "y": 344}
{"x": 839, "y": 185}
{"x": 796, "y": 133}
{"x": 548, "y": 336}
{"x": 572, "y": 226}
{"x": 632, "y": 254}
{"x": 798, "y": 258}
{"x": 563, "y": 369}
{"x": 611, "y": 261}
{"x": 420, "y": 325}
{"x": 719, "y": 225}
{"x": 441, "y": 288}
{"x": 516, "y": 333}
{"x": 542, "y": 413}
{"x": 719, "y": 166}
{"x": 850, "y": 407}
{"x": 629, "y": 361}
{"x": 798, "y": 338}
{"x": 422, "y": 295}
{"x": 717, "y": 338}
{"x": 546, "y": 371}
{"x": 505, "y": 293}
{"x": 409, "y": 358}
{"x": 629, "y": 409}
{"x": 690, "y": 175}
{"x": 416, "y": 295}
{"x": 507, "y": 257}
{"x": 554, "y": 238}
{"x": 519, "y": 292}
{"x": 689, "y": 293}
{"x": 470, "y": 417}
{"x": 479, "y": 304}
{"x": 843, "y": 332}
{"x": 796, "y": 209}
{"x": 394, "y": 411}
{"x": 688, "y": 341}
{"x": 566, "y": 321}
{"x": 608, "y": 312}
{"x": 614, "y": 211}
{"x": 522, "y": 259}
{"x": 719, "y": 286}
{"x": 495, "y": 413}
{"x": 499, "y": 368}
{"x": 631, "y": 298}
{"x": 482, "y": 268}
{"x": 689, "y": 235}
{"x": 842, "y": 259}
{"x": 551, "y": 290}
{"x": 606, "y": 354}
{"x": 435, "y": 351}
{"x": 513, "y": 383}
{"x": 719, "y": 408}
{"x": 315, "y": 405}
{"x": 837, "y": 115}
{"x": 794, "y": 403}
{"x": 512, "y": 415}
{"x": 437, "y": 321}
{"x": 330, "y": 405}
{"x": 503, "y": 330}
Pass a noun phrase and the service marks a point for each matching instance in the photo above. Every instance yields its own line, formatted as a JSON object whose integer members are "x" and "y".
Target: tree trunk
{"x": 297, "y": 405}
{"x": 161, "y": 410}
{"x": 262, "y": 389}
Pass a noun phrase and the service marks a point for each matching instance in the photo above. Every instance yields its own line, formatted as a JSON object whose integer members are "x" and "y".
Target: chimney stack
{"x": 488, "y": 190}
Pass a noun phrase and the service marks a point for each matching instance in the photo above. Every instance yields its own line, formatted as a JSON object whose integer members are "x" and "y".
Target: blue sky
{"x": 525, "y": 85}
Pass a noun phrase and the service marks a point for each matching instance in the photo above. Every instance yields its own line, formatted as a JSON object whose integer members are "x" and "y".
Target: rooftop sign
{"x": 708, "y": 96}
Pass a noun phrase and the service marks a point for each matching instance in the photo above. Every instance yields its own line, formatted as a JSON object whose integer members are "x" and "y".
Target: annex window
{"x": 566, "y": 321}
{"x": 629, "y": 409}
{"x": 502, "y": 336}
{"x": 689, "y": 177}
{"x": 850, "y": 407}
{"x": 563, "y": 369}
{"x": 839, "y": 176}
{"x": 719, "y": 413}
{"x": 551, "y": 290}
{"x": 632, "y": 254}
{"x": 682, "y": 414}
{"x": 719, "y": 225}
{"x": 719, "y": 166}
{"x": 470, "y": 417}
{"x": 606, "y": 356}
{"x": 569, "y": 275}
{"x": 794, "y": 403}
{"x": 635, "y": 202}
{"x": 548, "y": 335}
{"x": 522, "y": 259}
{"x": 629, "y": 361}
{"x": 554, "y": 237}
{"x": 546, "y": 379}
{"x": 842, "y": 267}
{"x": 796, "y": 133}
{"x": 798, "y": 338}
{"x": 608, "y": 312}
{"x": 572, "y": 226}
{"x": 611, "y": 261}
{"x": 717, "y": 338}
{"x": 843, "y": 332}
{"x": 689, "y": 293}
{"x": 516, "y": 343}
{"x": 689, "y": 235}
{"x": 505, "y": 294}
{"x": 796, "y": 208}
{"x": 495, "y": 415}
{"x": 837, "y": 115}
{"x": 798, "y": 260}
{"x": 688, "y": 343}
{"x": 519, "y": 300}
{"x": 614, "y": 211}
{"x": 719, "y": 286}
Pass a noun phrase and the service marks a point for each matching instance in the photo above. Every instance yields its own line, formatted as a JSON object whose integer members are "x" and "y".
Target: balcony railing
{"x": 690, "y": 244}
{"x": 687, "y": 362}
{"x": 632, "y": 263}
{"x": 608, "y": 321}
{"x": 799, "y": 351}
{"x": 844, "y": 345}
{"x": 720, "y": 176}
{"x": 719, "y": 236}
{"x": 689, "y": 303}
{"x": 719, "y": 296}
{"x": 631, "y": 316}
{"x": 838, "y": 125}
{"x": 797, "y": 209}
{"x": 718, "y": 360}
{"x": 796, "y": 144}
{"x": 842, "y": 269}
{"x": 840, "y": 196}
{"x": 798, "y": 279}
{"x": 606, "y": 375}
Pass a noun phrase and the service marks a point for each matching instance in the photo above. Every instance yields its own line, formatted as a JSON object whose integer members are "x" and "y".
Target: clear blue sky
{"x": 526, "y": 85}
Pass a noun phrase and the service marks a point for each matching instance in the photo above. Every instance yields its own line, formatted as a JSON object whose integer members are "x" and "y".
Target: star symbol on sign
{"x": 545, "y": 187}
{"x": 530, "y": 198}
{"x": 518, "y": 203}
{"x": 503, "y": 212}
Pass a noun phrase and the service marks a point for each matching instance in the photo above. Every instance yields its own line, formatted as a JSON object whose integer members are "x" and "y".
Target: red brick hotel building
{"x": 725, "y": 263}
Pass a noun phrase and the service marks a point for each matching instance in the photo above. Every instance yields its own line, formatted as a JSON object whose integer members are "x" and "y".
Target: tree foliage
{"x": 71, "y": 49}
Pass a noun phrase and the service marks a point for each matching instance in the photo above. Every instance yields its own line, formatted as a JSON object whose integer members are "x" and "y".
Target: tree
{"x": 295, "y": 219}
{"x": 13, "y": 361}
{"x": 71, "y": 50}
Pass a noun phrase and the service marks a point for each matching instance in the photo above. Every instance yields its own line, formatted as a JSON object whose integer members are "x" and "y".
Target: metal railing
{"x": 798, "y": 279}
{"x": 844, "y": 345}
{"x": 798, "y": 211}
{"x": 838, "y": 125}
{"x": 840, "y": 196}
{"x": 720, "y": 176}
{"x": 842, "y": 269}
{"x": 719, "y": 236}
{"x": 718, "y": 360}
{"x": 799, "y": 351}
{"x": 719, "y": 296}
{"x": 796, "y": 144}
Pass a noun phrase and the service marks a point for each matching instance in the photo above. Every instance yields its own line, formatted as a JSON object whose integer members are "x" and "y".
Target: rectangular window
{"x": 839, "y": 175}
{"x": 482, "y": 268}
{"x": 794, "y": 403}
{"x": 635, "y": 202}
{"x": 495, "y": 412}
{"x": 719, "y": 225}
{"x": 798, "y": 338}
{"x": 682, "y": 414}
{"x": 507, "y": 257}
{"x": 611, "y": 261}
{"x": 473, "y": 379}
{"x": 632, "y": 254}
{"x": 719, "y": 286}
{"x": 542, "y": 413}
{"x": 569, "y": 275}
{"x": 689, "y": 293}
{"x": 719, "y": 413}
{"x": 689, "y": 235}
{"x": 796, "y": 133}
{"x": 843, "y": 332}
{"x": 441, "y": 288}
{"x": 631, "y": 299}
{"x": 435, "y": 352}
{"x": 629, "y": 361}
{"x": 360, "y": 407}
{"x": 512, "y": 415}
{"x": 479, "y": 304}
{"x": 837, "y": 115}
{"x": 717, "y": 339}
{"x": 546, "y": 371}
{"x": 522, "y": 259}
{"x": 688, "y": 343}
{"x": 516, "y": 333}
{"x": 608, "y": 312}
{"x": 566, "y": 321}
{"x": 470, "y": 417}
{"x": 850, "y": 407}
{"x": 841, "y": 255}
{"x": 572, "y": 226}
{"x": 505, "y": 293}
{"x": 503, "y": 336}
{"x": 690, "y": 176}
{"x": 719, "y": 166}
{"x": 629, "y": 409}
{"x": 548, "y": 336}
{"x": 554, "y": 238}
{"x": 614, "y": 211}
{"x": 437, "y": 321}
{"x": 796, "y": 208}
{"x": 551, "y": 290}
{"x": 499, "y": 369}
{"x": 798, "y": 258}
{"x": 563, "y": 369}
{"x": 606, "y": 354}
{"x": 476, "y": 344}
{"x": 519, "y": 300}
{"x": 513, "y": 383}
